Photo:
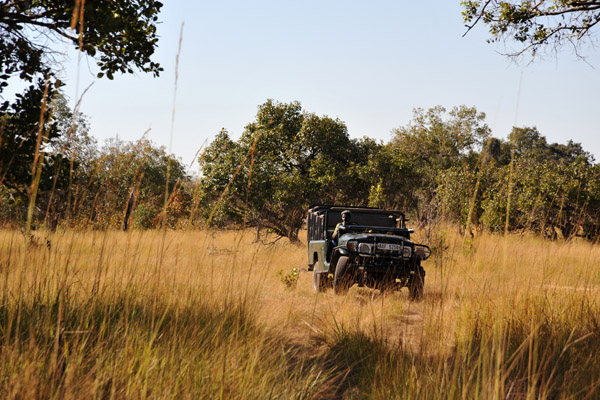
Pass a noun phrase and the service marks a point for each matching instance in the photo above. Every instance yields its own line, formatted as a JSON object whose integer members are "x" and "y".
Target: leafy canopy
{"x": 285, "y": 160}
{"x": 119, "y": 34}
{"x": 536, "y": 25}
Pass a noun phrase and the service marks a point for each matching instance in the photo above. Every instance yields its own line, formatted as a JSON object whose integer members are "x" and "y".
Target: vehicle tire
{"x": 319, "y": 281}
{"x": 416, "y": 285}
{"x": 342, "y": 279}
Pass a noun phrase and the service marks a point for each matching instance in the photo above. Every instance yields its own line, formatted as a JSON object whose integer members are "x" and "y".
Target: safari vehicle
{"x": 373, "y": 250}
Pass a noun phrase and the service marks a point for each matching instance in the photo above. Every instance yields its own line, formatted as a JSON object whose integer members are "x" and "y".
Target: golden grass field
{"x": 188, "y": 314}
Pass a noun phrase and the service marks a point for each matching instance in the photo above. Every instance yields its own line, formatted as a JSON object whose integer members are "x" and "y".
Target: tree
{"x": 434, "y": 141}
{"x": 19, "y": 133}
{"x": 63, "y": 138}
{"x": 119, "y": 34}
{"x": 101, "y": 197}
{"x": 535, "y": 24}
{"x": 284, "y": 161}
{"x": 552, "y": 187}
{"x": 69, "y": 157}
{"x": 529, "y": 142}
{"x": 363, "y": 175}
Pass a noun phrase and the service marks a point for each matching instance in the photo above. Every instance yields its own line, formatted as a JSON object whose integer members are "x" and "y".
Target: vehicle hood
{"x": 373, "y": 238}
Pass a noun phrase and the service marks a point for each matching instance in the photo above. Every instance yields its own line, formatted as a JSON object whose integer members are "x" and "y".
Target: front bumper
{"x": 385, "y": 266}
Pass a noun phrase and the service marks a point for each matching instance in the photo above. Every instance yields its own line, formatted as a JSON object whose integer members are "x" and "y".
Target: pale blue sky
{"x": 367, "y": 63}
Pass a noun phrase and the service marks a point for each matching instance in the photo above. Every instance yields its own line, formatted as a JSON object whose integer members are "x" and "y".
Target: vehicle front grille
{"x": 384, "y": 249}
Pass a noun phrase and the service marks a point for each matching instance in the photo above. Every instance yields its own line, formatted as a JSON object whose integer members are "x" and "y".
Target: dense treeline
{"x": 82, "y": 184}
{"x": 442, "y": 164}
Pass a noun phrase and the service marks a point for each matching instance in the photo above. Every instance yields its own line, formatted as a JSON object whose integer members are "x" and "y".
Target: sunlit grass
{"x": 206, "y": 315}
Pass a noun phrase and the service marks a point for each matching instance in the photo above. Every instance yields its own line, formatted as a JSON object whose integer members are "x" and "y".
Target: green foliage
{"x": 553, "y": 187}
{"x": 8, "y": 210}
{"x": 287, "y": 159}
{"x": 535, "y": 25}
{"x": 289, "y": 280}
{"x": 376, "y": 197}
{"x": 19, "y": 132}
{"x": 118, "y": 166}
{"x": 119, "y": 34}
{"x": 284, "y": 161}
{"x": 440, "y": 138}
{"x": 145, "y": 215}
{"x": 434, "y": 141}
{"x": 455, "y": 190}
{"x": 87, "y": 186}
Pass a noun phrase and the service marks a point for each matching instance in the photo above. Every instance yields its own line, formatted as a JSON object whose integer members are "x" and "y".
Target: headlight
{"x": 406, "y": 252}
{"x": 365, "y": 248}
{"x": 351, "y": 245}
{"x": 422, "y": 252}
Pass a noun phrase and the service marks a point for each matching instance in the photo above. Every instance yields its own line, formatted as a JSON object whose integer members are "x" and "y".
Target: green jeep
{"x": 373, "y": 250}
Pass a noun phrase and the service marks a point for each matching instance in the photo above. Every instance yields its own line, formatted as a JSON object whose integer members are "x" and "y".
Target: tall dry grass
{"x": 206, "y": 315}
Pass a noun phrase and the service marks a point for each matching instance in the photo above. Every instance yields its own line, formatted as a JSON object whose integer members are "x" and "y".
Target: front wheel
{"x": 342, "y": 279}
